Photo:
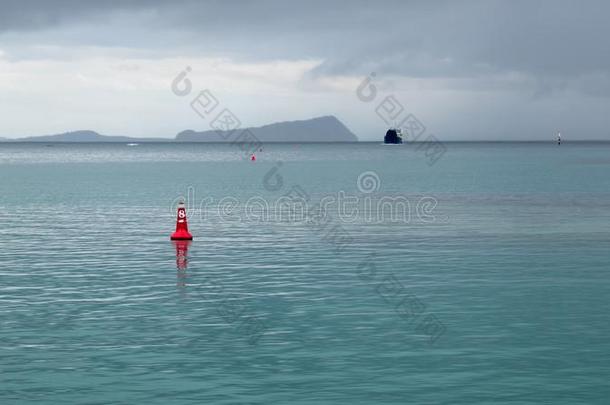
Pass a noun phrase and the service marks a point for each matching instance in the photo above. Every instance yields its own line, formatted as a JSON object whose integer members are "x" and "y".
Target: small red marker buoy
{"x": 253, "y": 158}
{"x": 182, "y": 229}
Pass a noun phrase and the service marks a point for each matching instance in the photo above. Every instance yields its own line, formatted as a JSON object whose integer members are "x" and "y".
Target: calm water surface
{"x": 505, "y": 264}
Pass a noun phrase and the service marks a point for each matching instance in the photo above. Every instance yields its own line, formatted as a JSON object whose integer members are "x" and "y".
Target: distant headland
{"x": 320, "y": 129}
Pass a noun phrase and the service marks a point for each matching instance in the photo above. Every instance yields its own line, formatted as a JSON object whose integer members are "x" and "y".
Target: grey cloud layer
{"x": 534, "y": 49}
{"x": 419, "y": 39}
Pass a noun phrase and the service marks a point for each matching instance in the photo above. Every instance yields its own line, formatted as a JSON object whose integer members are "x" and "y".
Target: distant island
{"x": 84, "y": 136}
{"x": 320, "y": 129}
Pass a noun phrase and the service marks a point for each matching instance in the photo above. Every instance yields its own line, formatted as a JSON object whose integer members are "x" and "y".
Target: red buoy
{"x": 182, "y": 229}
{"x": 253, "y": 158}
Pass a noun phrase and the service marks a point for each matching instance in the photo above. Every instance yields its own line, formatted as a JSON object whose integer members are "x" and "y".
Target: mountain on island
{"x": 321, "y": 129}
{"x": 85, "y": 136}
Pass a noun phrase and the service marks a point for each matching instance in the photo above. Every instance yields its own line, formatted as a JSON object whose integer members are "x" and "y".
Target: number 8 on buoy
{"x": 182, "y": 230}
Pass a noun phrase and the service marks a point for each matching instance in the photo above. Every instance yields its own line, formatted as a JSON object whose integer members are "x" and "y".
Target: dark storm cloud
{"x": 418, "y": 39}
{"x": 476, "y": 38}
{"x": 410, "y": 38}
{"x": 29, "y": 15}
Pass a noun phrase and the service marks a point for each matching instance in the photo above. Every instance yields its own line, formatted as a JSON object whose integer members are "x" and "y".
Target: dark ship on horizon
{"x": 393, "y": 136}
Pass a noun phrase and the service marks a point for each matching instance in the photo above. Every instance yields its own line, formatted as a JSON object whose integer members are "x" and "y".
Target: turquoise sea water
{"x": 496, "y": 289}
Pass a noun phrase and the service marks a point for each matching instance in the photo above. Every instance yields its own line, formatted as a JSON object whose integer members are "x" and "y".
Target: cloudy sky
{"x": 466, "y": 69}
